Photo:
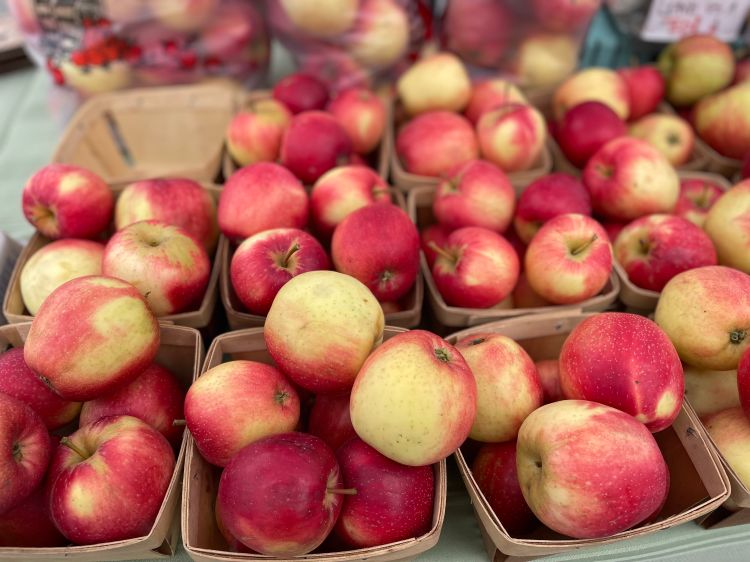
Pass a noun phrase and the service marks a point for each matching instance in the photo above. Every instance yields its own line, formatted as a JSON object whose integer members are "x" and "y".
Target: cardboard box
{"x": 698, "y": 483}
{"x": 200, "y": 535}
{"x": 181, "y": 351}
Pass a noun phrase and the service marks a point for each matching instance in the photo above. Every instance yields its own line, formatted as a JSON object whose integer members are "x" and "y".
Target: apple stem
{"x": 582, "y": 248}
{"x": 294, "y": 248}
{"x": 379, "y": 191}
{"x": 440, "y": 251}
{"x": 702, "y": 200}
{"x": 73, "y": 447}
{"x": 342, "y": 491}
{"x": 178, "y": 423}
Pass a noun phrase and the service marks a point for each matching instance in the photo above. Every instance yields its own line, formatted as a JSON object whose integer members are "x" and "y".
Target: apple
{"x": 341, "y": 191}
{"x": 565, "y": 15}
{"x": 65, "y": 201}
{"x": 236, "y": 34}
{"x": 263, "y": 263}
{"x": 155, "y": 397}
{"x": 324, "y": 20}
{"x": 336, "y": 68}
{"x": 669, "y": 134}
{"x": 628, "y": 178}
{"x": 434, "y": 142}
{"x": 697, "y": 196}
{"x": 710, "y": 392}
{"x": 476, "y": 268}
{"x": 549, "y": 376}
{"x": 183, "y": 15}
{"x": 300, "y": 92}
{"x": 330, "y": 419}
{"x": 645, "y": 86}
{"x": 585, "y": 128}
{"x": 26, "y": 450}
{"x": 278, "y": 201}
{"x": 285, "y": 512}
{"x": 414, "y": 399}
{"x": 478, "y": 31}
{"x": 726, "y": 225}
{"x": 392, "y": 503}
{"x": 28, "y": 525}
{"x": 494, "y": 469}
{"x": 178, "y": 201}
{"x": 232, "y": 542}
{"x": 110, "y": 336}
{"x": 313, "y": 143}
{"x": 588, "y": 470}
{"x": 387, "y": 267}
{"x": 54, "y": 264}
{"x": 254, "y": 134}
{"x": 107, "y": 480}
{"x": 491, "y": 94}
{"x": 569, "y": 259}
{"x": 362, "y": 115}
{"x": 437, "y": 82}
{"x": 592, "y": 84}
{"x": 512, "y": 136}
{"x": 546, "y": 198}
{"x": 655, "y": 248}
{"x": 508, "y": 386}
{"x": 523, "y": 295}
{"x": 695, "y": 67}
{"x": 321, "y": 327}
{"x": 706, "y": 313}
{"x": 381, "y": 33}
{"x": 741, "y": 71}
{"x": 93, "y": 79}
{"x": 730, "y": 432}
{"x": 743, "y": 382}
{"x": 21, "y": 383}
{"x": 545, "y": 59}
{"x": 433, "y": 235}
{"x": 723, "y": 122}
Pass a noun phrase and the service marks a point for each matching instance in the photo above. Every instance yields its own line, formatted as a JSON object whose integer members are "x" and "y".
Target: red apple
{"x": 362, "y": 115}
{"x": 330, "y": 419}
{"x": 512, "y": 136}
{"x": 722, "y": 121}
{"x": 585, "y": 128}
{"x": 254, "y": 134}
{"x": 743, "y": 382}
{"x": 301, "y": 92}
{"x": 336, "y": 68}
{"x": 549, "y": 376}
{"x": 236, "y": 32}
{"x": 491, "y": 94}
{"x": 285, "y": 512}
{"x": 645, "y": 85}
{"x": 381, "y": 33}
{"x": 697, "y": 196}
{"x": 434, "y": 234}
{"x": 478, "y": 31}
{"x": 28, "y": 525}
{"x": 565, "y": 15}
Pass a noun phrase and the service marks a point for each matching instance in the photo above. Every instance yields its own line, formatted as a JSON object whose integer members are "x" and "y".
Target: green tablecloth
{"x": 32, "y": 116}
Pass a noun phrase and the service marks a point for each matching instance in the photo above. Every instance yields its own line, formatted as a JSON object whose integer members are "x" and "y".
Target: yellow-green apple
{"x": 260, "y": 197}
{"x": 20, "y": 382}
{"x": 28, "y": 525}
{"x": 592, "y": 84}
{"x": 164, "y": 262}
{"x": 706, "y": 313}
{"x": 723, "y": 121}
{"x": 263, "y": 263}
{"x": 710, "y": 392}
{"x": 362, "y": 114}
{"x": 182, "y": 15}
{"x": 512, "y": 136}
{"x": 313, "y": 143}
{"x": 254, "y": 134}
{"x": 380, "y": 35}
{"x": 547, "y": 197}
{"x": 545, "y": 59}
{"x": 695, "y": 67}
{"x": 25, "y": 450}
{"x": 727, "y": 223}
{"x": 110, "y": 336}
{"x": 435, "y": 234}
{"x": 494, "y": 469}
{"x": 414, "y": 399}
{"x": 697, "y": 196}
{"x": 655, "y": 248}
{"x": 585, "y": 128}
{"x": 237, "y": 403}
{"x": 478, "y": 31}
{"x": 628, "y": 178}
{"x": 388, "y": 268}
{"x": 434, "y": 142}
{"x": 108, "y": 479}
{"x": 321, "y": 327}
{"x": 476, "y": 193}
{"x": 325, "y": 19}
{"x": 342, "y": 191}
{"x": 65, "y": 201}
{"x": 56, "y": 263}
{"x": 491, "y": 94}
{"x": 154, "y": 397}
{"x": 565, "y": 15}
{"x": 730, "y": 432}
{"x": 646, "y": 86}
{"x": 178, "y": 201}
{"x": 508, "y": 386}
{"x": 438, "y": 82}
{"x": 588, "y": 470}
{"x": 475, "y": 268}
{"x": 743, "y": 382}
{"x": 669, "y": 134}
{"x": 330, "y": 419}
{"x": 625, "y": 361}
{"x": 392, "y": 502}
{"x": 524, "y": 296}
{"x": 279, "y": 511}
{"x": 549, "y": 376}
{"x": 569, "y": 259}
{"x": 301, "y": 92}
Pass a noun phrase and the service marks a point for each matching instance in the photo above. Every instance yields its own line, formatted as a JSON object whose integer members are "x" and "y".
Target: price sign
{"x": 670, "y": 20}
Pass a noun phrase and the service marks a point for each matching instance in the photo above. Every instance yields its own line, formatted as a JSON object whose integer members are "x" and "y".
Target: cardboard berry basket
{"x": 150, "y": 132}
{"x": 379, "y": 159}
{"x": 238, "y": 316}
{"x": 15, "y": 311}
{"x": 181, "y": 351}
{"x": 200, "y": 535}
{"x": 419, "y": 203}
{"x": 698, "y": 483}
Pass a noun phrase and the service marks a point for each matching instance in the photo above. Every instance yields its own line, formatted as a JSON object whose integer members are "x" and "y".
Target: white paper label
{"x": 670, "y": 20}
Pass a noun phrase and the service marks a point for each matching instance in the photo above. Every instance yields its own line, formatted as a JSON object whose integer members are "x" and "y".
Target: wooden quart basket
{"x": 181, "y": 351}
{"x": 200, "y": 535}
{"x": 698, "y": 483}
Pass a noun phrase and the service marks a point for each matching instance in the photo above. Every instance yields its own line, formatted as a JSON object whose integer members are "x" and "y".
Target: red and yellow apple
{"x": 361, "y": 113}
{"x": 728, "y": 225}
{"x": 710, "y": 392}
{"x": 301, "y": 92}
{"x": 669, "y": 134}
{"x": 730, "y": 432}
{"x": 491, "y": 94}
{"x": 512, "y": 136}
{"x": 592, "y": 84}
{"x": 381, "y": 33}
{"x": 254, "y": 134}
{"x": 697, "y": 196}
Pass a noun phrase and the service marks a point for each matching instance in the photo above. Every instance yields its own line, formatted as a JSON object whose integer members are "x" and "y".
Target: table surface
{"x": 32, "y": 115}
